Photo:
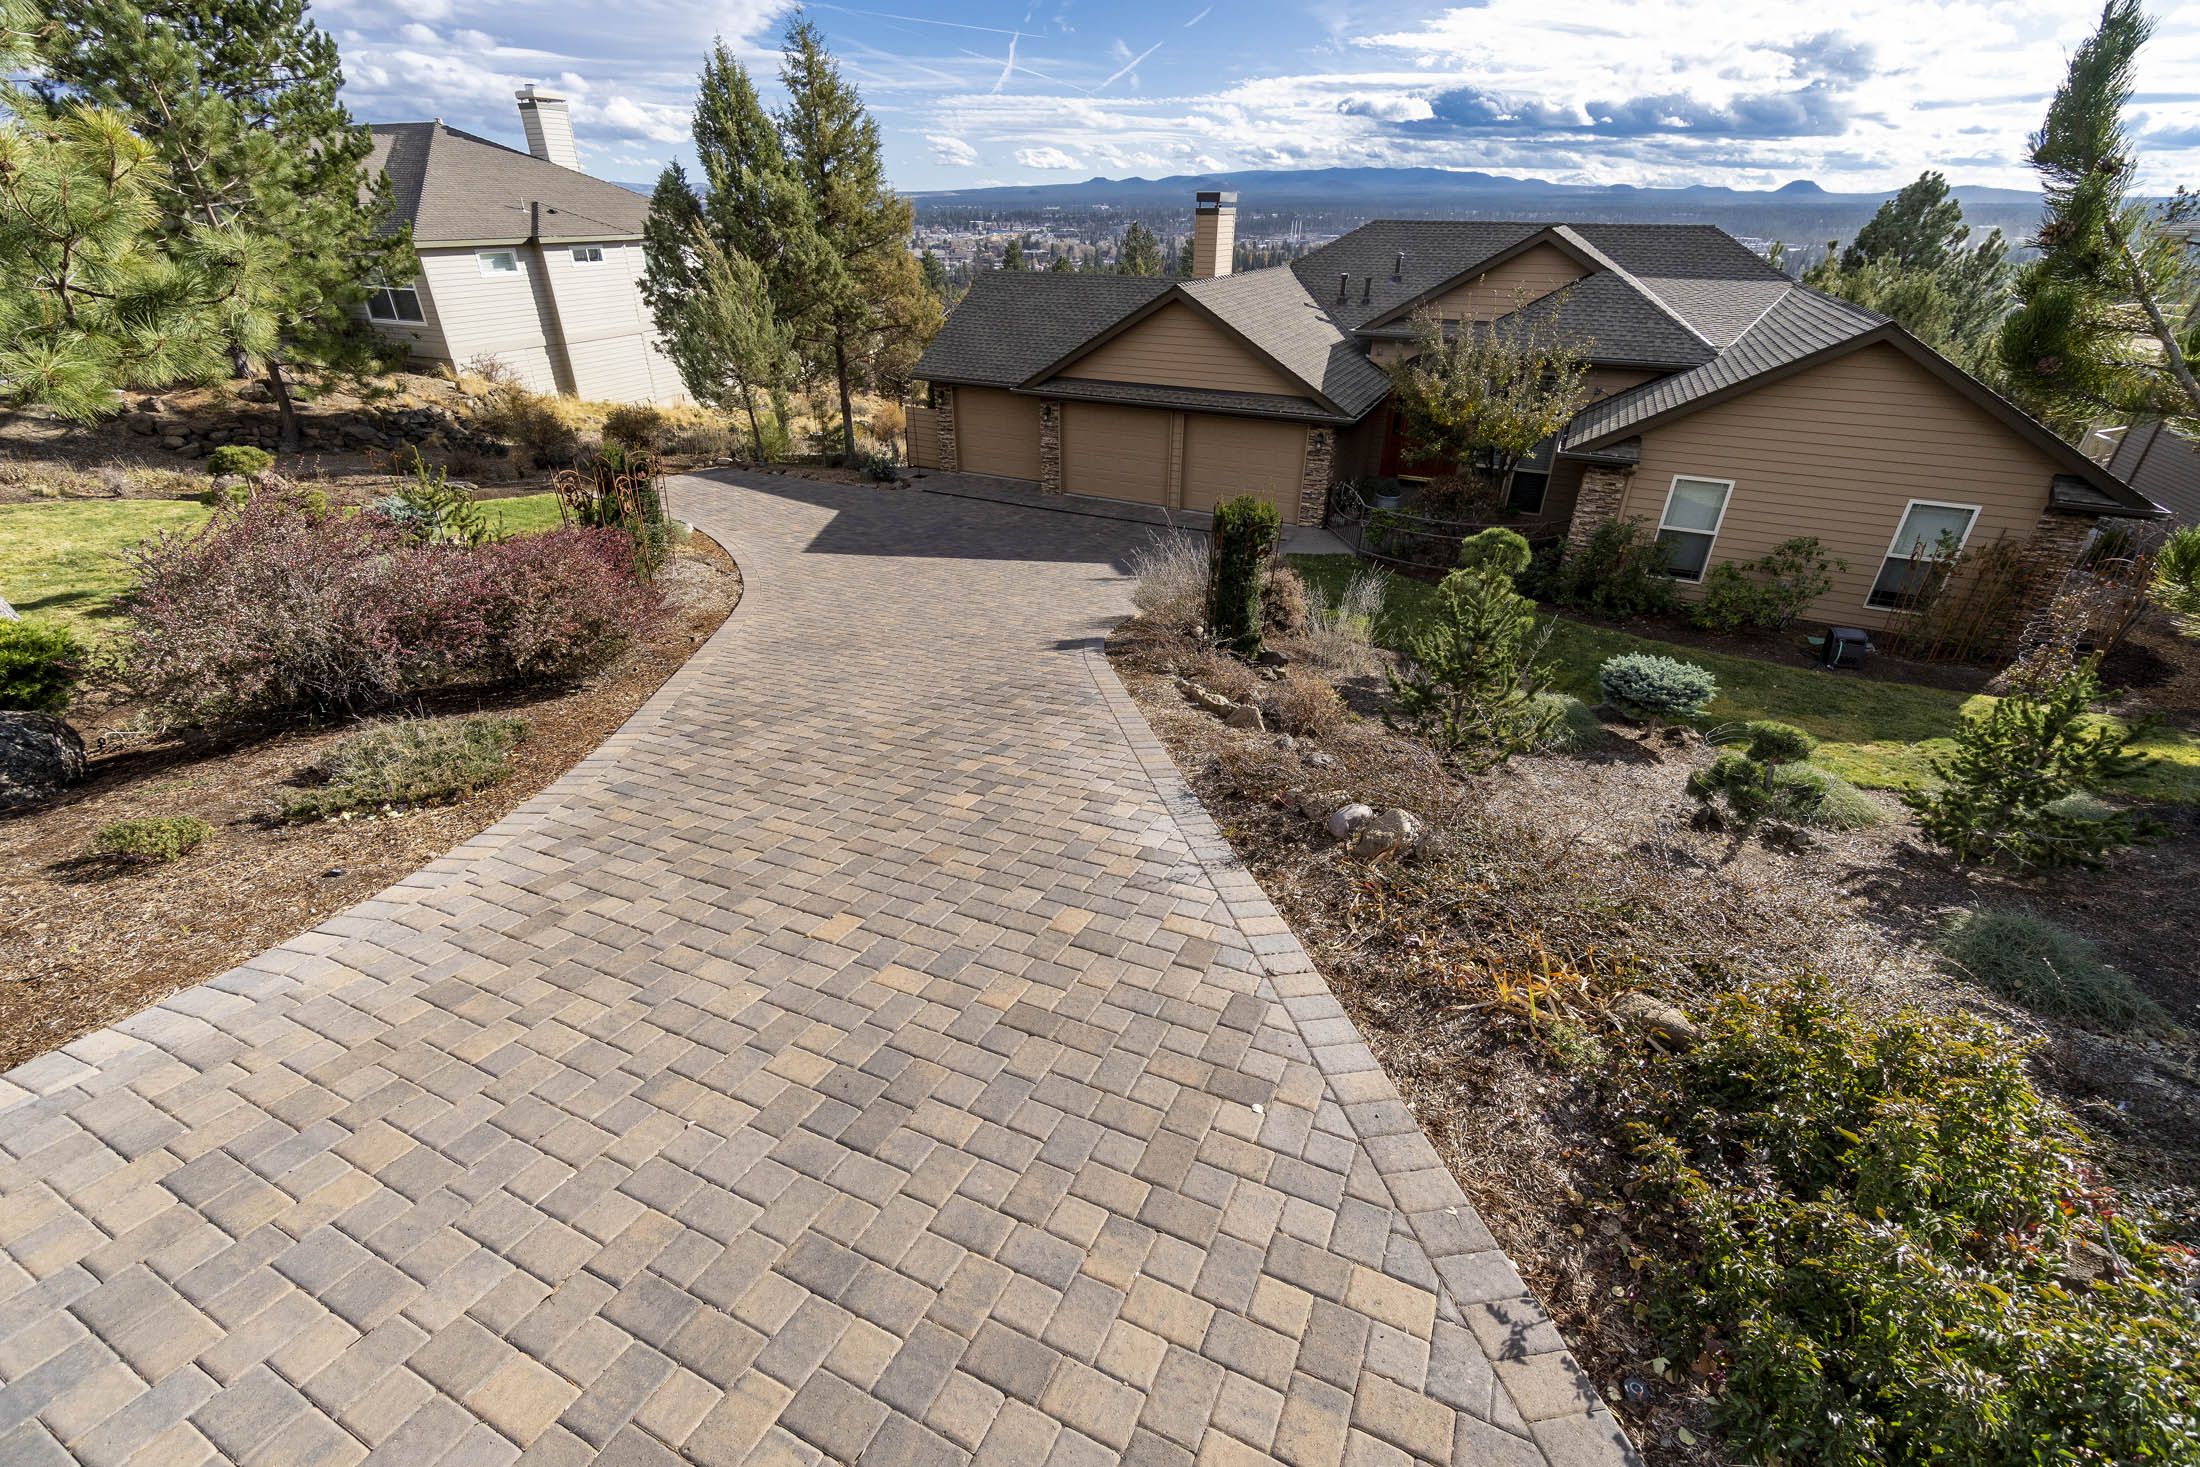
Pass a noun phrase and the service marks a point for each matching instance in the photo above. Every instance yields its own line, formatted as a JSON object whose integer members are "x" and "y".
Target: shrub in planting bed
{"x": 268, "y": 611}
{"x": 39, "y": 666}
{"x": 158, "y": 838}
{"x": 410, "y": 761}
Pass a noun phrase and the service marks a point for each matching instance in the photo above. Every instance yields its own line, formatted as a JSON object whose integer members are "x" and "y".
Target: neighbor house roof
{"x": 456, "y": 189}
{"x": 1801, "y": 329}
{"x": 1012, "y": 323}
{"x": 1621, "y": 322}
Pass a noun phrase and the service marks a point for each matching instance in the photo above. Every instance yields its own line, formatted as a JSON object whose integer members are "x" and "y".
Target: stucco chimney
{"x": 549, "y": 127}
{"x": 1214, "y": 233}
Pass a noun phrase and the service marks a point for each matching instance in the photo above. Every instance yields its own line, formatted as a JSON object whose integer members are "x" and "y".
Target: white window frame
{"x": 394, "y": 319}
{"x": 483, "y": 257}
{"x": 1896, "y": 539}
{"x": 1716, "y": 525}
{"x": 588, "y": 254}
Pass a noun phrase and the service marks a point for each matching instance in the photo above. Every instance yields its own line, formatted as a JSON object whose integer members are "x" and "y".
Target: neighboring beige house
{"x": 1734, "y": 409}
{"x": 523, "y": 258}
{"x": 2157, "y": 460}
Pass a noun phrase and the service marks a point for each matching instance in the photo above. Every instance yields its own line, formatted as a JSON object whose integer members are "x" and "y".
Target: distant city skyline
{"x": 1857, "y": 95}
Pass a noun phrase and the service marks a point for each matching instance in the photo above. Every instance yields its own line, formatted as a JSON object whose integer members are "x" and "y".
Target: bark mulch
{"x": 85, "y": 941}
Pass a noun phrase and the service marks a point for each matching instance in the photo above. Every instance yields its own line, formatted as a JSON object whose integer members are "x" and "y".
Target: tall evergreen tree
{"x": 1012, "y": 253}
{"x": 864, "y": 307}
{"x": 1141, "y": 251}
{"x": 935, "y": 275}
{"x": 736, "y": 347}
{"x": 2108, "y": 317}
{"x": 90, "y": 301}
{"x": 239, "y": 101}
{"x": 1913, "y": 261}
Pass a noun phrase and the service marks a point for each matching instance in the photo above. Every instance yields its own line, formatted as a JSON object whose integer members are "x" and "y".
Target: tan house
{"x": 1733, "y": 408}
{"x": 523, "y": 258}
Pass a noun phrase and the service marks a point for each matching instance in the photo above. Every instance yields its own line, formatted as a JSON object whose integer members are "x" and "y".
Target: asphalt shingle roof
{"x": 1012, "y": 323}
{"x": 1274, "y": 310}
{"x": 453, "y": 187}
{"x": 1191, "y": 399}
{"x": 1620, "y": 322}
{"x": 1799, "y": 324}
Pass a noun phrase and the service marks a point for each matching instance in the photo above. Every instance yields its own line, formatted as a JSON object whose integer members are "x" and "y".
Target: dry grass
{"x": 1172, "y": 580}
{"x": 1307, "y": 707}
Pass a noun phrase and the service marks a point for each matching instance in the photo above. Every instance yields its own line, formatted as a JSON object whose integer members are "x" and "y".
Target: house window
{"x": 1928, "y": 537}
{"x": 588, "y": 254}
{"x": 1690, "y": 524}
{"x": 1528, "y": 488}
{"x": 394, "y": 303}
{"x": 498, "y": 262}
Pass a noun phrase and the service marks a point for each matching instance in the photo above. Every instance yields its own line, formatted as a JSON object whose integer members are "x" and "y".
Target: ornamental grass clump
{"x": 410, "y": 761}
{"x": 2048, "y": 969}
{"x": 1894, "y": 1249}
{"x": 1172, "y": 580}
{"x": 1650, "y": 686}
{"x": 2002, "y": 796}
{"x": 1242, "y": 539}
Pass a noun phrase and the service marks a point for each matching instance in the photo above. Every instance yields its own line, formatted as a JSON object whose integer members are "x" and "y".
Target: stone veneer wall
{"x": 2045, "y": 557}
{"x": 1050, "y": 446}
{"x": 1597, "y": 504}
{"x": 950, "y": 456}
{"x": 1315, "y": 477}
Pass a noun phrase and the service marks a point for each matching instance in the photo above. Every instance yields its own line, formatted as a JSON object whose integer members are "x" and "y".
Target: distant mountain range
{"x": 1799, "y": 212}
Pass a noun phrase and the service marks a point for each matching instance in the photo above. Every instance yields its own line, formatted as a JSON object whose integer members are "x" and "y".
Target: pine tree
{"x": 736, "y": 343}
{"x": 90, "y": 301}
{"x": 1012, "y": 253}
{"x": 935, "y": 275}
{"x": 864, "y": 307}
{"x": 1913, "y": 261}
{"x": 1472, "y": 684}
{"x": 2108, "y": 317}
{"x": 2001, "y": 790}
{"x": 1141, "y": 251}
{"x": 239, "y": 101}
{"x": 1186, "y": 260}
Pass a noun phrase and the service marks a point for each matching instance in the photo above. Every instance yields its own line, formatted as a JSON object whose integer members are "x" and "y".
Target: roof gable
{"x": 1801, "y": 330}
{"x": 1175, "y": 345}
{"x": 1523, "y": 255}
{"x": 1012, "y": 324}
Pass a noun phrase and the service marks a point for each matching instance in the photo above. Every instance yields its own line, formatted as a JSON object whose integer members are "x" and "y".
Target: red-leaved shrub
{"x": 266, "y": 610}
{"x": 558, "y": 604}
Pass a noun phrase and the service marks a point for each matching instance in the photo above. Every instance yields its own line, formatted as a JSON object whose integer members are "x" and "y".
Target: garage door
{"x": 1115, "y": 452}
{"x": 997, "y": 432}
{"x": 1226, "y": 457}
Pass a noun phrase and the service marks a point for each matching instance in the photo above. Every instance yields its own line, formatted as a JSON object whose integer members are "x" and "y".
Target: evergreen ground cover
{"x": 1878, "y": 735}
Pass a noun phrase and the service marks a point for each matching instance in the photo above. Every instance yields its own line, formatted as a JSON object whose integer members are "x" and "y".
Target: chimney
{"x": 1214, "y": 233}
{"x": 549, "y": 128}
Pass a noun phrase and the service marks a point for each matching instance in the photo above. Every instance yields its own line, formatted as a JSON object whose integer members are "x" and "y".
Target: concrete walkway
{"x": 872, "y": 1053}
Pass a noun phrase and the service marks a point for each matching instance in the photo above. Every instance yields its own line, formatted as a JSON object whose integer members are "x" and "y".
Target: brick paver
{"x": 873, "y": 1052}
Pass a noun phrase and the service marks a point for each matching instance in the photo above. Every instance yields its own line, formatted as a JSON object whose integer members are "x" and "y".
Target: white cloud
{"x": 1046, "y": 158}
{"x": 1387, "y": 109}
{"x": 952, "y": 151}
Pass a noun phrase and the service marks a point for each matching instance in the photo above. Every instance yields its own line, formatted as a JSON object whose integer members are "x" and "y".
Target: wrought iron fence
{"x": 1404, "y": 539}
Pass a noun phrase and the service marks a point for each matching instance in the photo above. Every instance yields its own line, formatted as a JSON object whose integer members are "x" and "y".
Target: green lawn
{"x": 1876, "y": 734}
{"x": 59, "y": 560}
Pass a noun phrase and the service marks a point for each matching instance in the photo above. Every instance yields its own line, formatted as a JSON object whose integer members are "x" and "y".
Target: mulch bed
{"x": 1533, "y": 1141}
{"x": 85, "y": 941}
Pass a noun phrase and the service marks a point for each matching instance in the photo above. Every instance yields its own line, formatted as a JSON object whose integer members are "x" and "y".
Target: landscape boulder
{"x": 1391, "y": 835}
{"x": 1246, "y": 716}
{"x": 1654, "y": 1016}
{"x": 1345, "y": 819}
{"x": 40, "y": 756}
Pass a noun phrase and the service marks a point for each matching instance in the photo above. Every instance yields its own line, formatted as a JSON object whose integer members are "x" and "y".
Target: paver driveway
{"x": 872, "y": 1053}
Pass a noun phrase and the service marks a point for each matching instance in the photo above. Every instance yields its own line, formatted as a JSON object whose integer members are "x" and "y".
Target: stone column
{"x": 1314, "y": 478}
{"x": 2043, "y": 561}
{"x": 1050, "y": 446}
{"x": 1602, "y": 489}
{"x": 950, "y": 458}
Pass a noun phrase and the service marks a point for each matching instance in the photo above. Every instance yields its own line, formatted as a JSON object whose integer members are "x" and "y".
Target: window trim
{"x": 394, "y": 318}
{"x": 483, "y": 257}
{"x": 582, "y": 255}
{"x": 1896, "y": 539}
{"x": 1718, "y": 524}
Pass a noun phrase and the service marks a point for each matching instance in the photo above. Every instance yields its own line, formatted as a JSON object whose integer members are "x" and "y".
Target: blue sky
{"x": 1857, "y": 94}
